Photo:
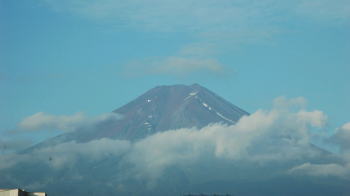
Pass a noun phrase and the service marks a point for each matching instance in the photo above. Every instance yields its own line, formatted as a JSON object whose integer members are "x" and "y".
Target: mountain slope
{"x": 81, "y": 163}
{"x": 172, "y": 107}
{"x": 159, "y": 109}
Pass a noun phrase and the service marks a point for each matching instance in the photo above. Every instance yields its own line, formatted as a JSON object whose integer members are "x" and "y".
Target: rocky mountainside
{"x": 172, "y": 107}
{"x": 160, "y": 109}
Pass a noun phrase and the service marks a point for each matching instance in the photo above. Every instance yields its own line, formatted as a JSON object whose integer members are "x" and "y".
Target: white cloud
{"x": 330, "y": 169}
{"x": 169, "y": 15}
{"x": 223, "y": 24}
{"x": 342, "y": 137}
{"x": 227, "y": 21}
{"x": 178, "y": 65}
{"x": 181, "y": 64}
{"x": 205, "y": 16}
{"x": 285, "y": 103}
{"x": 266, "y": 137}
{"x": 346, "y": 127}
{"x": 316, "y": 118}
{"x": 190, "y": 59}
{"x": 342, "y": 169}
{"x": 200, "y": 49}
{"x": 43, "y": 121}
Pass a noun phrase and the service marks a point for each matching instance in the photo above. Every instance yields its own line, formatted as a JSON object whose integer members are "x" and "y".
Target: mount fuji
{"x": 174, "y": 140}
{"x": 160, "y": 109}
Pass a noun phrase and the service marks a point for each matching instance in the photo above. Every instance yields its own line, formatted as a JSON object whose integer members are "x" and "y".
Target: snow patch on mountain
{"x": 191, "y": 95}
{"x": 225, "y": 118}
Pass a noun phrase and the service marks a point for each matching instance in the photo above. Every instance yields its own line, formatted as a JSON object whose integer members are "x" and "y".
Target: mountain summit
{"x": 160, "y": 109}
{"x": 172, "y": 107}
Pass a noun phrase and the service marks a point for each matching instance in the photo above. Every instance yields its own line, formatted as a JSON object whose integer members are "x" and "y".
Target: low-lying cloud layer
{"x": 262, "y": 137}
{"x": 266, "y": 137}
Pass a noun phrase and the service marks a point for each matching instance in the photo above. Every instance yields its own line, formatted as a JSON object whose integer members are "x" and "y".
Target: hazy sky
{"x": 67, "y": 56}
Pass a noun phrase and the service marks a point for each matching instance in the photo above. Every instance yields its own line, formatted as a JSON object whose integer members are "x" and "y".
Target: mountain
{"x": 114, "y": 156}
{"x": 172, "y": 107}
{"x": 160, "y": 109}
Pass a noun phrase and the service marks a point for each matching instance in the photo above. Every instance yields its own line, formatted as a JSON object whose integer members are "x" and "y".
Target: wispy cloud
{"x": 175, "y": 65}
{"x": 47, "y": 122}
{"x": 43, "y": 121}
{"x": 202, "y": 15}
{"x": 190, "y": 59}
{"x": 224, "y": 24}
{"x": 330, "y": 169}
{"x": 238, "y": 18}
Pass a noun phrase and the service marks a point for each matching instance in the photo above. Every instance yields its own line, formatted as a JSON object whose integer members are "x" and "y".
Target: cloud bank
{"x": 263, "y": 137}
{"x": 342, "y": 137}
{"x": 281, "y": 135}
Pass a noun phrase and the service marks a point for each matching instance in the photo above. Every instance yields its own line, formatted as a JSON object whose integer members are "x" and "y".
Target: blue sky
{"x": 69, "y": 56}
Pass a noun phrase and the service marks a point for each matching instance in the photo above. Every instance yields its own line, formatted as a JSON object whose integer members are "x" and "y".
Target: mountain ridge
{"x": 177, "y": 106}
{"x": 162, "y": 108}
